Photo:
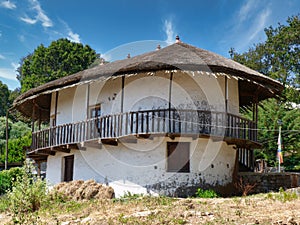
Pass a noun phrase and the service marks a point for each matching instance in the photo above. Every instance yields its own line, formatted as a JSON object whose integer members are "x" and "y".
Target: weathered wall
{"x": 266, "y": 182}
{"x": 142, "y": 166}
{"x": 136, "y": 167}
{"x": 144, "y": 92}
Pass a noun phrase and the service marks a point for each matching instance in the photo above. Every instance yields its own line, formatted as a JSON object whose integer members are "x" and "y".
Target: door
{"x": 69, "y": 165}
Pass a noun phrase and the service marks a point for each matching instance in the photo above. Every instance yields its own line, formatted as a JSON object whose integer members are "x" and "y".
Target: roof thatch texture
{"x": 177, "y": 56}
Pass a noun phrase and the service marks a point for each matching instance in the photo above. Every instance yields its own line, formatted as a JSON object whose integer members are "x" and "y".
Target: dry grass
{"x": 258, "y": 209}
{"x": 84, "y": 190}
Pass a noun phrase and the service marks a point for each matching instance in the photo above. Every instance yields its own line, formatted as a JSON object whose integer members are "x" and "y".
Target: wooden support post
{"x": 32, "y": 117}
{"x": 55, "y": 109}
{"x": 170, "y": 101}
{"x": 87, "y": 101}
{"x": 39, "y": 169}
{"x": 226, "y": 94}
{"x": 122, "y": 93}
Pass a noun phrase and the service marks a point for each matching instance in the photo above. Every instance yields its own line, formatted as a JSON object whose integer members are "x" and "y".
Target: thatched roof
{"x": 177, "y": 56}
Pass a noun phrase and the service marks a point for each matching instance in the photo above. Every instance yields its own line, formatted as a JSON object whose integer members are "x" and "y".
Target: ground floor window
{"x": 68, "y": 168}
{"x": 178, "y": 157}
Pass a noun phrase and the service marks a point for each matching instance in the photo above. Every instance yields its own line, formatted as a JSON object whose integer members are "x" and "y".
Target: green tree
{"x": 19, "y": 138}
{"x": 278, "y": 57}
{"x": 4, "y": 99}
{"x": 60, "y": 59}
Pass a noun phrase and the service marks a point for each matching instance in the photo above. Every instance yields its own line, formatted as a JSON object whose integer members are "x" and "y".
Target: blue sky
{"x": 215, "y": 25}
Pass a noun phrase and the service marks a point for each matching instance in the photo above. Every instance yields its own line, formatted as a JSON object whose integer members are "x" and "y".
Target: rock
{"x": 292, "y": 221}
{"x": 143, "y": 213}
{"x": 187, "y": 214}
{"x": 190, "y": 206}
{"x": 85, "y": 220}
{"x": 65, "y": 223}
{"x": 207, "y": 214}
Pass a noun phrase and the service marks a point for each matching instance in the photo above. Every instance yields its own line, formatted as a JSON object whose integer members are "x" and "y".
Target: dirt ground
{"x": 258, "y": 209}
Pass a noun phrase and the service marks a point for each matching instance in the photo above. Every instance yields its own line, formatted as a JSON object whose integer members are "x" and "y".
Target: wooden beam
{"x": 144, "y": 136}
{"x": 44, "y": 152}
{"x": 109, "y": 141}
{"x": 60, "y": 149}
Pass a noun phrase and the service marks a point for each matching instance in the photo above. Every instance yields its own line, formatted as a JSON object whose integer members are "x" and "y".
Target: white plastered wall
{"x": 137, "y": 166}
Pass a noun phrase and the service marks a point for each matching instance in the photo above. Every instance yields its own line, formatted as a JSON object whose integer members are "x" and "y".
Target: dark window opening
{"x": 178, "y": 154}
{"x": 69, "y": 166}
{"x": 95, "y": 111}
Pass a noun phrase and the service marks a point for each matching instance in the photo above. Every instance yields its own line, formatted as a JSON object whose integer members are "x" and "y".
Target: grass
{"x": 138, "y": 209}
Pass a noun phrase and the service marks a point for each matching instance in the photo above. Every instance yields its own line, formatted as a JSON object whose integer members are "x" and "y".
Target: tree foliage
{"x": 4, "y": 99}
{"x": 60, "y": 59}
{"x": 279, "y": 58}
{"x": 19, "y": 138}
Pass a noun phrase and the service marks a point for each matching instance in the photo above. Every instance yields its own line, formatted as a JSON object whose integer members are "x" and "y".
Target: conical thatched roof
{"x": 177, "y": 56}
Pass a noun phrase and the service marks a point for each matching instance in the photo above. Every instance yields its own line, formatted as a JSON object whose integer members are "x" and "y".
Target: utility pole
{"x": 6, "y": 146}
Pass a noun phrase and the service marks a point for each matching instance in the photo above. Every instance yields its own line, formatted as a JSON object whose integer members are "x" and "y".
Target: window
{"x": 95, "y": 111}
{"x": 178, "y": 154}
{"x": 68, "y": 169}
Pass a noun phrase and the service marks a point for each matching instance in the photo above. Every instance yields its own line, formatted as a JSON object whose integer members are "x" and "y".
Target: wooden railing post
{"x": 138, "y": 122}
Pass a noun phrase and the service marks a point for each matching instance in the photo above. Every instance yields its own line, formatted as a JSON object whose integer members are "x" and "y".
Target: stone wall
{"x": 266, "y": 182}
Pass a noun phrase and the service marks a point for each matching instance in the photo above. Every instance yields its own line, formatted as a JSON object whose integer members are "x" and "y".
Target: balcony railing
{"x": 148, "y": 122}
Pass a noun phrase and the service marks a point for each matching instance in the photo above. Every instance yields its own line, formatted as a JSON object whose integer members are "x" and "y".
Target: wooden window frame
{"x": 94, "y": 108}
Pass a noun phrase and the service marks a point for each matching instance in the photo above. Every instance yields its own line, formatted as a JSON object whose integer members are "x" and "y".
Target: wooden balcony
{"x": 144, "y": 124}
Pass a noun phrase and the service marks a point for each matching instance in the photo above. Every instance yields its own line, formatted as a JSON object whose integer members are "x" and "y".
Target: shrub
{"x": 7, "y": 177}
{"x": 244, "y": 187}
{"x": 206, "y": 193}
{"x": 28, "y": 194}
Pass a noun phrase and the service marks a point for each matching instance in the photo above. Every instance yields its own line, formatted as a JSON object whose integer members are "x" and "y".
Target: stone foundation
{"x": 266, "y": 182}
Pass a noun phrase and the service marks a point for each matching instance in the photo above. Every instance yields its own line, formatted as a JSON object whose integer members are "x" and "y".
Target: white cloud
{"x": 70, "y": 34}
{"x": 169, "y": 31}
{"x": 40, "y": 15}
{"x": 8, "y": 73}
{"x": 247, "y": 26}
{"x": 246, "y": 10}
{"x": 28, "y": 20}
{"x": 73, "y": 37}
{"x": 15, "y": 65}
{"x": 8, "y": 4}
{"x": 2, "y": 56}
{"x": 259, "y": 24}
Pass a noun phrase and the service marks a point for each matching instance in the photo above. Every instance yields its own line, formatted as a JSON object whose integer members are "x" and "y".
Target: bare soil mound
{"x": 84, "y": 190}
